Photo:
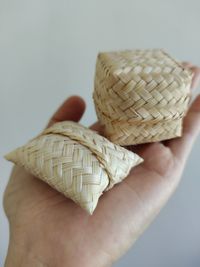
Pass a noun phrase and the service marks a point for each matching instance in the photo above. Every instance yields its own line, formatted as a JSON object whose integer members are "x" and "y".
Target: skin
{"x": 47, "y": 229}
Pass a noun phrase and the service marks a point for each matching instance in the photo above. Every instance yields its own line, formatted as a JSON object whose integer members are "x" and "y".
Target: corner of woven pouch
{"x": 10, "y": 156}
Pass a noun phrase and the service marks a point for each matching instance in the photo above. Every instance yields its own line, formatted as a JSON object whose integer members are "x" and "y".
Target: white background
{"x": 48, "y": 51}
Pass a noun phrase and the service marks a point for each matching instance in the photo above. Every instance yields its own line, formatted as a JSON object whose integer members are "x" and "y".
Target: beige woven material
{"x": 141, "y": 96}
{"x": 76, "y": 161}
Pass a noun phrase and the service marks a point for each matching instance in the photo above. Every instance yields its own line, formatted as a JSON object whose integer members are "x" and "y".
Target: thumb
{"x": 72, "y": 110}
{"x": 181, "y": 147}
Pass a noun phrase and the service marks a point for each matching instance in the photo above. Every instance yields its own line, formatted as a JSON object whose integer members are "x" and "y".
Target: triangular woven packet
{"x": 76, "y": 161}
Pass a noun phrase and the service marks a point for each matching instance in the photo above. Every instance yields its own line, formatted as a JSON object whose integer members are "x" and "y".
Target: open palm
{"x": 56, "y": 230}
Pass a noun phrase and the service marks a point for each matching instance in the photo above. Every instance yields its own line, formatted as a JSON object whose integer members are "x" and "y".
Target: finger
{"x": 72, "y": 109}
{"x": 139, "y": 148}
{"x": 196, "y": 77}
{"x": 98, "y": 128}
{"x": 187, "y": 64}
{"x": 182, "y": 146}
{"x": 196, "y": 73}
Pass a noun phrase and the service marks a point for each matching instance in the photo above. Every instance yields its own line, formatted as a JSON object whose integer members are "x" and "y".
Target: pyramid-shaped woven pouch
{"x": 76, "y": 161}
{"x": 141, "y": 96}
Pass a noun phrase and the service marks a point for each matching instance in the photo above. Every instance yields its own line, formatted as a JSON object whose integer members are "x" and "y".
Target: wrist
{"x": 24, "y": 251}
{"x": 17, "y": 259}
{"x": 21, "y": 254}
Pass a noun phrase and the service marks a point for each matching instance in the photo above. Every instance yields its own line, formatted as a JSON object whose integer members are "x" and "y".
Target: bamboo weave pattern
{"x": 141, "y": 96}
{"x": 76, "y": 161}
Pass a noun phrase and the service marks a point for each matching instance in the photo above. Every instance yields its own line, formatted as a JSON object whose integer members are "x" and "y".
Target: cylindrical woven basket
{"x": 75, "y": 161}
{"x": 141, "y": 96}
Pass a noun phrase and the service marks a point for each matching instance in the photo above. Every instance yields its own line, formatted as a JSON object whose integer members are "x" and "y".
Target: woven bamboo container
{"x": 141, "y": 96}
{"x": 76, "y": 161}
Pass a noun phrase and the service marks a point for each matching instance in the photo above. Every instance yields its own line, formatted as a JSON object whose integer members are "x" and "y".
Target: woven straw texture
{"x": 141, "y": 96}
{"x": 76, "y": 161}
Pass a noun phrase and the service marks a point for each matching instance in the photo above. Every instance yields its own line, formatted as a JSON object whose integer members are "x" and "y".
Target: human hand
{"x": 47, "y": 229}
